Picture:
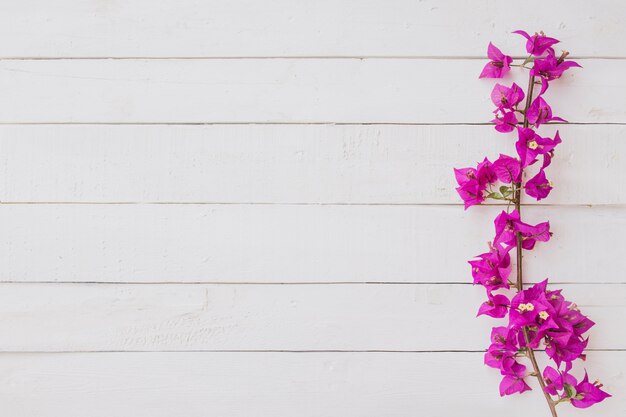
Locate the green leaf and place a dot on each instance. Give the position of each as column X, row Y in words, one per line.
column 569, row 390
column 506, row 191
column 495, row 196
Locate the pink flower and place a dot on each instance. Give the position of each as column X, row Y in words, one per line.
column 530, row 145
column 588, row 394
column 557, row 380
column 499, row 64
column 505, row 123
column 538, row 43
column 564, row 352
column 492, row 269
column 507, row 226
column 496, row 306
column 473, row 182
column 507, row 169
column 540, row 112
column 501, row 353
column 538, row 186
column 550, row 68
column 527, row 305
column 513, row 380
column 506, row 98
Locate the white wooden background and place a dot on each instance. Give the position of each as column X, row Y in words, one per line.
column 246, row 208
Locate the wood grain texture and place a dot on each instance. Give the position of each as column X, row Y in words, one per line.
column 347, row 317
column 287, row 163
column 188, row 28
column 276, row 243
column 276, row 384
column 248, row 265
column 287, row 91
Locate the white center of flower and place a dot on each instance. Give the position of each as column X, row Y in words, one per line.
column 530, row 307
column 532, row 144
column 544, row 315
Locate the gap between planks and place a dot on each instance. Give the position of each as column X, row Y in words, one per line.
column 528, row 284
column 279, row 57
column 38, row 352
column 267, row 203
column 274, row 123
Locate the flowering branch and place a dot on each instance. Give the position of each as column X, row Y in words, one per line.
column 536, row 316
column 520, row 280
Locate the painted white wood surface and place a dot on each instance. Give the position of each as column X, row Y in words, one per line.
column 293, row 243
column 311, row 188
column 287, row 90
column 288, row 163
column 213, row 28
column 276, row 384
column 352, row 317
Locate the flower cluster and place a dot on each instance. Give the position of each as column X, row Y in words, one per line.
column 538, row 318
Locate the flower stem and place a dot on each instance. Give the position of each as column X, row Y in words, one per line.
column 517, row 200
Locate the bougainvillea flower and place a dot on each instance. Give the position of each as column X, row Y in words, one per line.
column 527, row 304
column 538, row 43
column 492, row 269
column 483, row 174
column 532, row 234
column 566, row 352
column 471, row 194
column 588, row 394
column 504, row 338
column 506, row 98
column 499, row 65
column 507, row 225
column 496, row 306
column 496, row 356
column 506, row 122
column 473, row 182
column 547, row 146
column 530, row 145
column 527, row 146
column 540, row 112
column 556, row 380
column 501, row 352
column 550, row 68
column 507, row 169
column 538, row 186
column 553, row 379
column 513, row 380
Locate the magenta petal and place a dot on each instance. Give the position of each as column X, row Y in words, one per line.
column 538, row 186
column 523, row 33
column 499, row 65
column 512, row 384
column 506, row 123
column 496, row 306
column 590, row 392
column 494, row 53
column 507, row 168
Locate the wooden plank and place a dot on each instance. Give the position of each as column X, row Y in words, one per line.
column 287, row 163
column 187, row 28
column 287, row 90
column 275, row 243
column 175, row 317
column 277, row 384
